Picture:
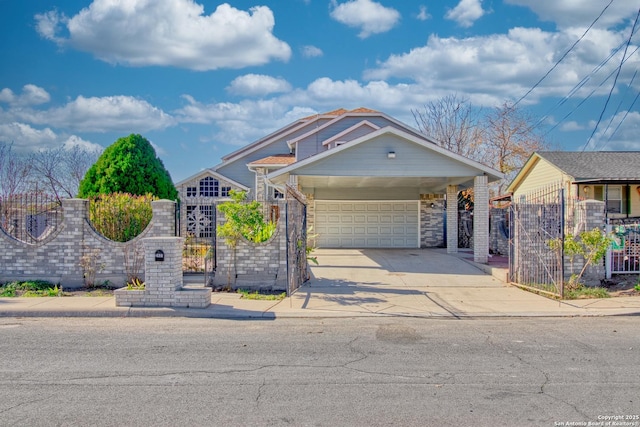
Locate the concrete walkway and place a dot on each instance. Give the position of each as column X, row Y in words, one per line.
column 424, row 283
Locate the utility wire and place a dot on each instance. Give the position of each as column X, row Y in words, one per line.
column 563, row 56
column 613, row 116
column 615, row 81
column 579, row 86
column 625, row 115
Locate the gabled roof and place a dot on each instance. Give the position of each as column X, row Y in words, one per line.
column 491, row 173
column 358, row 112
column 289, row 129
column 277, row 160
column 349, row 130
column 587, row 166
column 210, row 172
column 614, row 165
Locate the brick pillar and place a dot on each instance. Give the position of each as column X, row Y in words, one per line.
column 480, row 219
column 162, row 278
column 452, row 219
column 164, row 218
column 71, row 241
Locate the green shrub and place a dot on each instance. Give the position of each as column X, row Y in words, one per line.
column 120, row 216
column 129, row 165
column 30, row 288
column 586, row 292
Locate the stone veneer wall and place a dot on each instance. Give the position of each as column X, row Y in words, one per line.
column 58, row 257
column 259, row 266
column 432, row 220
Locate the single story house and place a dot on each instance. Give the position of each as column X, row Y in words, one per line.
column 370, row 181
column 609, row 176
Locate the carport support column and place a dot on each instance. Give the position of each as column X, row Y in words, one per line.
column 480, row 219
column 452, row 219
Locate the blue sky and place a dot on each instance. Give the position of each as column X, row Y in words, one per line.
column 200, row 78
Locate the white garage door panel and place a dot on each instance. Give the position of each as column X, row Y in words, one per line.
column 367, row 224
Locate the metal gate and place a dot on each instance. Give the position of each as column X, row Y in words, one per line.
column 197, row 224
column 296, row 223
column 624, row 254
column 536, row 244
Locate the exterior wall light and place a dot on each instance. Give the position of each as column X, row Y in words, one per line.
column 391, row 155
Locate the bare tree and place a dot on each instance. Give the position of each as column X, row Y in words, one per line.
column 509, row 140
column 61, row 169
column 453, row 123
column 14, row 171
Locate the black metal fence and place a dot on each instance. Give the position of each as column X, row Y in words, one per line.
column 197, row 224
column 30, row 217
column 537, row 224
column 296, row 220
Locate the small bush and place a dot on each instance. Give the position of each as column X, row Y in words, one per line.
column 583, row 292
column 120, row 216
column 32, row 288
column 255, row 295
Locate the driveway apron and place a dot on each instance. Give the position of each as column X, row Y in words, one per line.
column 411, row 282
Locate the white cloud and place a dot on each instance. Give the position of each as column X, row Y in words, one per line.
column 31, row 95
column 423, row 15
column 76, row 141
column 489, row 69
column 579, row 13
column 466, row 12
column 26, row 138
column 311, row 51
column 369, row 16
column 258, row 85
column 169, row 33
column 626, row 128
column 93, row 114
column 241, row 123
column 571, row 126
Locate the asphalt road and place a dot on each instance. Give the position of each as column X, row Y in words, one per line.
column 319, row 372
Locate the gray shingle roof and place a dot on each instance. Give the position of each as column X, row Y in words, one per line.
column 596, row 165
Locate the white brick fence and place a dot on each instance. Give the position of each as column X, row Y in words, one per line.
column 58, row 258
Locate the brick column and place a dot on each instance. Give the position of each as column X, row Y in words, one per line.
column 164, row 218
column 162, row 278
column 71, row 241
column 452, row 219
column 480, row 219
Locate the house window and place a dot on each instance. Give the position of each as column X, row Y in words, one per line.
column 277, row 194
column 209, row 187
column 613, row 194
column 224, row 191
column 192, row 191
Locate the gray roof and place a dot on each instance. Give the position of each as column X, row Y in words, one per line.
column 596, row 165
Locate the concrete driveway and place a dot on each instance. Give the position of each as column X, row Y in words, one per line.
column 413, row 282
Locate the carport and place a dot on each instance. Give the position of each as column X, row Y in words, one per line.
column 375, row 191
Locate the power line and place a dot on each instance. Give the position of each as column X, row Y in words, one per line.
column 604, row 132
column 615, row 81
column 579, row 86
column 564, row 56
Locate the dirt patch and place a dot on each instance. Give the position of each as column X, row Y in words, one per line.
column 622, row 285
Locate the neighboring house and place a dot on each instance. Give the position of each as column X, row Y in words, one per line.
column 609, row 176
column 370, row 181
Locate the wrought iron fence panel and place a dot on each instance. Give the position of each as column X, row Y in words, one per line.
column 624, row 255
column 537, row 240
column 30, row 217
column 296, row 226
column 197, row 224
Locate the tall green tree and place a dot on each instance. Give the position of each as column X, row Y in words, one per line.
column 129, row 165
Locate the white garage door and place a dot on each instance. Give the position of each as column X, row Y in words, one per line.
column 372, row 224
